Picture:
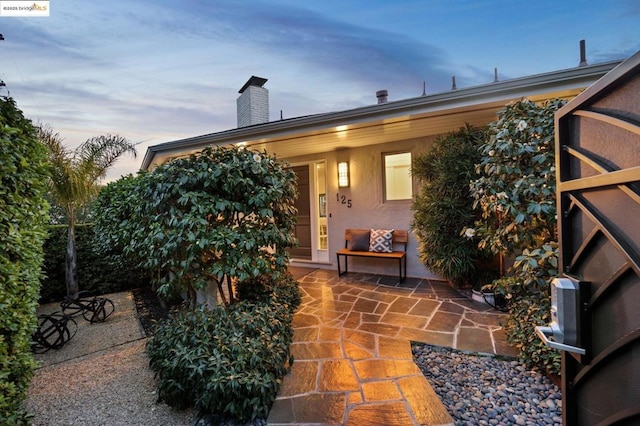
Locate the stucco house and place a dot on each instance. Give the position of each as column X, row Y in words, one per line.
column 375, row 144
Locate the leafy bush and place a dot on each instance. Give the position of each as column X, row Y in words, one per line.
column 261, row 288
column 515, row 192
column 114, row 215
column 23, row 215
column 444, row 207
column 287, row 292
column 516, row 187
column 530, row 305
column 255, row 289
column 227, row 361
column 98, row 273
column 224, row 213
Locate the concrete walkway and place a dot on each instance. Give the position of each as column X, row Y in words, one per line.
column 353, row 362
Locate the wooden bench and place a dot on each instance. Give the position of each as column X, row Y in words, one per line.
column 400, row 239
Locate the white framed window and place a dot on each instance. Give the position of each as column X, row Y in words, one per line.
column 321, row 191
column 397, row 176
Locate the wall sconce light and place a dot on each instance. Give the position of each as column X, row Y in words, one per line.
column 343, row 174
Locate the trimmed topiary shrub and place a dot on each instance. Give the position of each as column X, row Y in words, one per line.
column 23, row 215
column 228, row 361
column 226, row 213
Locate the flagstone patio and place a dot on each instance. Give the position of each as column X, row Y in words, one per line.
column 353, row 362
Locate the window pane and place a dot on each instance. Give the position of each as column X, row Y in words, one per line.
column 321, row 190
column 398, row 176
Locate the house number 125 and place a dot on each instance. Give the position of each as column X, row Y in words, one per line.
column 343, row 200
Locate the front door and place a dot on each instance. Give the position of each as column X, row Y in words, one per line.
column 303, row 225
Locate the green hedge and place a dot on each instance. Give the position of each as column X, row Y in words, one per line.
column 228, row 361
column 97, row 273
column 23, row 215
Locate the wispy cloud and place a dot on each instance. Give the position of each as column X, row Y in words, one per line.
column 305, row 42
column 162, row 70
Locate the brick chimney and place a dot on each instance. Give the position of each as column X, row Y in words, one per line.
column 253, row 103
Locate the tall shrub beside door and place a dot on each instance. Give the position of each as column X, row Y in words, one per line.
column 444, row 207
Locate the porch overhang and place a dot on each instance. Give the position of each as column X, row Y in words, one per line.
column 392, row 121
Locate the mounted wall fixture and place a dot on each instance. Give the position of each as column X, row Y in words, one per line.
column 343, row 174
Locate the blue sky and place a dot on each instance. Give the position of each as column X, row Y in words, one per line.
column 164, row 70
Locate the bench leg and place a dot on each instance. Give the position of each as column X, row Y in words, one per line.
column 405, row 268
column 346, row 265
column 402, row 277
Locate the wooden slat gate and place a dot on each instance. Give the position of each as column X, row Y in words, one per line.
column 598, row 162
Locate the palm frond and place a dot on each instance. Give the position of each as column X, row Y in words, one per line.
column 74, row 174
column 98, row 154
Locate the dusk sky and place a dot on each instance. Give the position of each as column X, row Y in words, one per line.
column 156, row 71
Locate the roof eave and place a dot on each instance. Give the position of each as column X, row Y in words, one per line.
column 523, row 86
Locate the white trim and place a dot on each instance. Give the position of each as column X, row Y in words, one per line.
column 570, row 79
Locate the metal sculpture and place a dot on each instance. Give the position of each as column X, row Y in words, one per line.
column 56, row 329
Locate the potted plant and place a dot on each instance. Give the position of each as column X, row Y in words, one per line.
column 496, row 295
column 488, row 272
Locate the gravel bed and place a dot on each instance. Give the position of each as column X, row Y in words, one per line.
column 114, row 387
column 485, row 390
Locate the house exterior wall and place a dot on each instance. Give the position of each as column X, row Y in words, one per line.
column 361, row 136
column 367, row 208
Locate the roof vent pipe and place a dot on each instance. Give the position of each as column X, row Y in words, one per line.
column 382, row 96
column 453, row 83
column 495, row 75
column 424, row 88
column 583, row 54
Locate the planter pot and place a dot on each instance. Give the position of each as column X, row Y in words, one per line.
column 490, row 299
column 483, row 297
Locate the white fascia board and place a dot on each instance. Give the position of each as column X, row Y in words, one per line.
column 573, row 78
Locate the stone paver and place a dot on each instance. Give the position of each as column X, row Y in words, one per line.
column 475, row 339
column 353, row 362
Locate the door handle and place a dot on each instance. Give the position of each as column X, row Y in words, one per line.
column 544, row 333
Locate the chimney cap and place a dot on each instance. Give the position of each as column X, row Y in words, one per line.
column 253, row 81
column 382, row 96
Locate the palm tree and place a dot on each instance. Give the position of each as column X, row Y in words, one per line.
column 74, row 179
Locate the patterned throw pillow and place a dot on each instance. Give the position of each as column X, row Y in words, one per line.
column 381, row 240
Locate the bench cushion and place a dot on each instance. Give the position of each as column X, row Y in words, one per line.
column 381, row 240
column 359, row 240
